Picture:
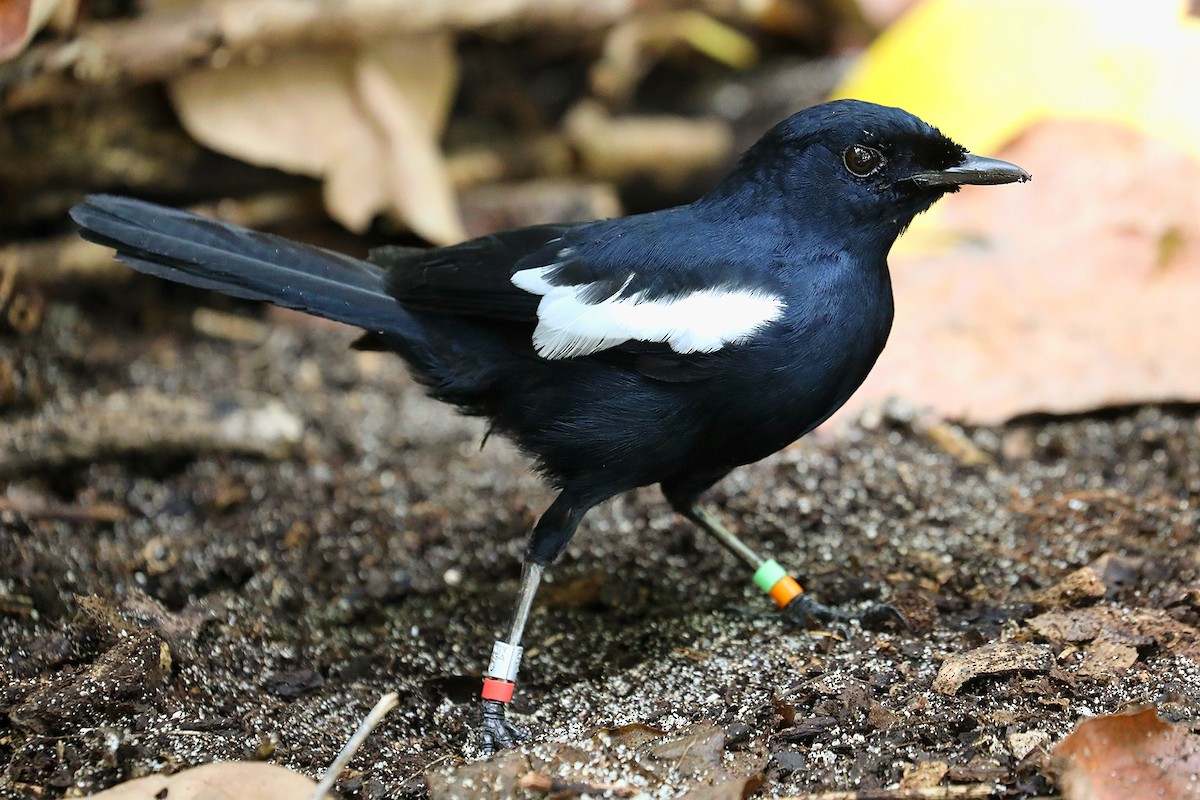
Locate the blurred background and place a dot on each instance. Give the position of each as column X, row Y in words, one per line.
column 364, row 121
column 222, row 537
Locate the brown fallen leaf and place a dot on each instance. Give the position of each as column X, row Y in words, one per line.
column 1114, row 634
column 407, row 91
column 726, row 787
column 924, row 774
column 1137, row 627
column 1022, row 743
column 1069, row 293
column 998, row 658
column 1116, row 570
column 366, row 119
column 954, row 442
column 1076, row 588
column 693, row 759
column 540, row 782
column 1129, row 757
column 237, row 780
column 120, row 680
column 21, row 19
column 1104, row 660
column 492, row 779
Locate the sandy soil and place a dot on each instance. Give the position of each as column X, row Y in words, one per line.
column 164, row 609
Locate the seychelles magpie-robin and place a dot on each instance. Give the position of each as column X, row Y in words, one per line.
column 665, row 348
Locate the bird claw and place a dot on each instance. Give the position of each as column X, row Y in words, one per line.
column 883, row 617
column 496, row 732
column 803, row 612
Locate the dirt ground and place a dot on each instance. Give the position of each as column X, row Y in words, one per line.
column 165, row 606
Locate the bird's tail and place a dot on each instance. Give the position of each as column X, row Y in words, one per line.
column 209, row 254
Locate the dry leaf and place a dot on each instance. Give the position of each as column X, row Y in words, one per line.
column 1022, row 743
column 367, row 120
column 923, row 775
column 693, row 759
column 1103, row 660
column 1128, row 757
column 237, row 780
column 1133, row 626
column 407, row 102
column 1115, row 634
column 1078, row 588
column 1073, row 292
column 21, row 19
column 992, row 659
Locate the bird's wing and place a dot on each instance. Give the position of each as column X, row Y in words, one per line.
column 472, row 279
column 652, row 285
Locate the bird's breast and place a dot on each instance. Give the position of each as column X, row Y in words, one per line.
column 805, row 366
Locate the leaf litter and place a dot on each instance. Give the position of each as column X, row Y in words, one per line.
column 381, row 554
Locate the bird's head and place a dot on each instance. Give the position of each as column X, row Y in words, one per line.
column 851, row 163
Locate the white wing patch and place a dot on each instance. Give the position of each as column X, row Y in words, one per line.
column 700, row 322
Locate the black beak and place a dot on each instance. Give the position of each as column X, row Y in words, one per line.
column 973, row 170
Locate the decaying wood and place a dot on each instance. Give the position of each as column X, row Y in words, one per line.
column 144, row 422
column 157, row 47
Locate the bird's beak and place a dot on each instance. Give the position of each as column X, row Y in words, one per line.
column 974, row 170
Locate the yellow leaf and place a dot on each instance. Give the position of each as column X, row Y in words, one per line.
column 985, row 70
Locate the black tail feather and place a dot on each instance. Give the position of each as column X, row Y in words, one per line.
column 208, row 254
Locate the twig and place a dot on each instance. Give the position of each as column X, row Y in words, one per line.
column 68, row 259
column 61, row 259
column 17, row 605
column 144, row 422
column 232, row 327
column 426, row 768
column 557, row 787
column 385, row 704
column 107, row 55
column 968, row 791
column 100, row 512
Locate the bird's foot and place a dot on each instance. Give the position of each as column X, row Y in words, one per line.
column 804, row 612
column 496, row 732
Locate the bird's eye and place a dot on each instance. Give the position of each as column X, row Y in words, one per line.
column 862, row 160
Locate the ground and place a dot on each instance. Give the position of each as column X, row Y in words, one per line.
column 165, row 609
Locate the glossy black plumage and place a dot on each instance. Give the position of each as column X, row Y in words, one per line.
column 792, row 238
column 663, row 348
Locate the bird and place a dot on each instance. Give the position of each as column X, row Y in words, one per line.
column 664, row 348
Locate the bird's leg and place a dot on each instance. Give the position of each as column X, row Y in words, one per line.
column 798, row 607
column 501, row 676
column 768, row 574
column 549, row 538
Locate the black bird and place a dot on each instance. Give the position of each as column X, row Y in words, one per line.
column 663, row 348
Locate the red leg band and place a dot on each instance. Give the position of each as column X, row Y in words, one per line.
column 498, row 690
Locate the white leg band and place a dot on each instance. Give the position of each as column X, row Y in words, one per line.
column 505, row 661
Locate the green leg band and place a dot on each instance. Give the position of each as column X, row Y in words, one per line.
column 769, row 574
